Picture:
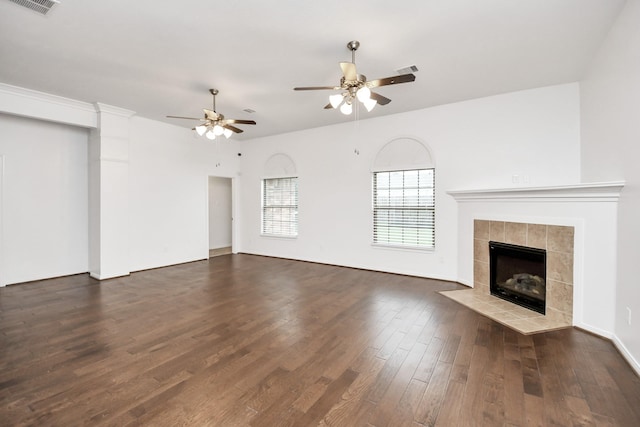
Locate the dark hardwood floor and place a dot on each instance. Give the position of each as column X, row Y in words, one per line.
column 248, row 340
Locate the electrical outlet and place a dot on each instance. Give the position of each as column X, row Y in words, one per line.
column 628, row 316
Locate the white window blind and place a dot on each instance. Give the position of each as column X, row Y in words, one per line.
column 404, row 208
column 280, row 206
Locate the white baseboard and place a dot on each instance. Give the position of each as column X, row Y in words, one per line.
column 596, row 331
column 626, row 354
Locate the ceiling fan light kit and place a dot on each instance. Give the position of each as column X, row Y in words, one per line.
column 354, row 86
column 214, row 124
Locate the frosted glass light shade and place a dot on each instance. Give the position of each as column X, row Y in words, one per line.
column 346, row 108
column 227, row 133
column 218, row 130
column 210, row 134
column 363, row 94
column 336, row 100
column 201, row 129
column 369, row 104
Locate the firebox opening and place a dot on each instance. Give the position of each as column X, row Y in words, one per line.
column 518, row 274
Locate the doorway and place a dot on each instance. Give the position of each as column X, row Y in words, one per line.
column 220, row 216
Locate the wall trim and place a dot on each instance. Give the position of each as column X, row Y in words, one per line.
column 626, row 354
column 110, row 109
column 44, row 106
column 587, row 192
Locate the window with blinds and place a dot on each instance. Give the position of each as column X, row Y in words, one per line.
column 404, row 208
column 280, row 207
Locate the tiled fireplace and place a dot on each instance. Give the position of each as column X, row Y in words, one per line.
column 575, row 224
column 558, row 241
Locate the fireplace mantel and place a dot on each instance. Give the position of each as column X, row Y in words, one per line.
column 596, row 192
column 590, row 209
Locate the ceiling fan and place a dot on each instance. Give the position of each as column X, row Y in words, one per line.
column 355, row 86
column 214, row 124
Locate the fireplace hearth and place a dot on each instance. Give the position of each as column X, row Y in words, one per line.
column 518, row 274
column 558, row 243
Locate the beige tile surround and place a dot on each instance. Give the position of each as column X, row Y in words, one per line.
column 557, row 241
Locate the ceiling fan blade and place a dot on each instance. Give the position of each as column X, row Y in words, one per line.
column 186, row 118
column 233, row 128
column 210, row 114
column 317, row 88
column 382, row 100
column 240, row 122
column 402, row 78
column 328, row 106
column 349, row 71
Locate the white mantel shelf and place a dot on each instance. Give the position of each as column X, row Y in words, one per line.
column 588, row 192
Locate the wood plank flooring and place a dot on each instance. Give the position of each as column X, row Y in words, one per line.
column 246, row 340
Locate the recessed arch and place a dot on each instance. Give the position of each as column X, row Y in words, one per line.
column 403, row 154
column 279, row 165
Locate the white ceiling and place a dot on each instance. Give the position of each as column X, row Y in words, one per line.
column 159, row 58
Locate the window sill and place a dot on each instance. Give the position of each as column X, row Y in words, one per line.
column 403, row 247
column 278, row 236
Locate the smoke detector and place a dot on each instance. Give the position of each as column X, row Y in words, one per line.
column 41, row 6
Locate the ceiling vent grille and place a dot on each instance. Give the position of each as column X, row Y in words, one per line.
column 407, row 70
column 41, row 6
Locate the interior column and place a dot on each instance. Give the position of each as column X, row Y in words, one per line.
column 109, row 193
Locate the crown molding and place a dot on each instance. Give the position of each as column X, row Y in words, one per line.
column 104, row 108
column 46, row 97
column 39, row 105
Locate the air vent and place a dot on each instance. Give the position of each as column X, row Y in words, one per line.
column 407, row 70
column 41, row 6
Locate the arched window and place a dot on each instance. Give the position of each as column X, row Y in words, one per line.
column 404, row 195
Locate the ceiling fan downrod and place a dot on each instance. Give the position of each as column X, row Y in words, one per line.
column 214, row 92
column 353, row 45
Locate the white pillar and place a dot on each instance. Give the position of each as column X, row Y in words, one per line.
column 109, row 193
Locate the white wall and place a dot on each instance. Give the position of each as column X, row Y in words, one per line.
column 169, row 168
column 44, row 200
column 610, row 102
column 475, row 144
column 219, row 212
